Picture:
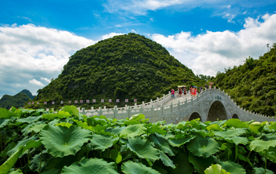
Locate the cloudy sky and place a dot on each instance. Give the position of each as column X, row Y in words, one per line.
column 37, row 37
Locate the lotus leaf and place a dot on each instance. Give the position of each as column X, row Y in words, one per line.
column 142, row 148
column 116, row 130
column 215, row 169
column 161, row 143
column 18, row 171
column 180, row 142
column 260, row 170
column 235, row 123
column 260, row 145
column 133, row 130
column 137, row 117
column 4, row 113
column 4, row 122
column 92, row 166
column 166, row 160
column 182, row 164
column 39, row 161
column 102, row 142
column 73, row 110
column 214, row 127
column 256, row 127
column 62, row 141
column 232, row 167
column 237, row 140
column 230, row 132
column 116, row 156
column 272, row 126
column 156, row 129
column 200, row 163
column 64, row 124
column 203, row 147
column 130, row 167
column 21, row 144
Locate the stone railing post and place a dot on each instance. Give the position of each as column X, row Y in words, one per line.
column 141, row 108
column 92, row 108
column 128, row 111
column 115, row 111
column 100, row 111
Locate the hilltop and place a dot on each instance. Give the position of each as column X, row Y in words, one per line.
column 252, row 85
column 128, row 66
column 17, row 100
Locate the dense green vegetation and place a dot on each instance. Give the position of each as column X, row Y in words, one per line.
column 252, row 85
column 123, row 67
column 17, row 100
column 36, row 141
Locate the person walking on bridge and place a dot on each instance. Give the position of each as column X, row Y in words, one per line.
column 180, row 92
column 172, row 92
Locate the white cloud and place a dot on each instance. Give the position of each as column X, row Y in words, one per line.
column 45, row 79
column 111, row 35
column 36, row 82
column 29, row 52
column 213, row 51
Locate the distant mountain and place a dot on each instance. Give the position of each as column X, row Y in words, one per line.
column 253, row 84
column 128, row 66
column 17, row 100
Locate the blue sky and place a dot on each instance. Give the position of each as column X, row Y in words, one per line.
column 37, row 37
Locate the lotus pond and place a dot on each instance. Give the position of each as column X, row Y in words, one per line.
column 39, row 141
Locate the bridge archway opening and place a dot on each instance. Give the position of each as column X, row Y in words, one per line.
column 235, row 116
column 217, row 111
column 195, row 115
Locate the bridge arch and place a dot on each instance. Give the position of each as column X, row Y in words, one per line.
column 195, row 115
column 217, row 111
column 235, row 116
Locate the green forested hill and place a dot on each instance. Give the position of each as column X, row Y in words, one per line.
column 17, row 100
column 253, row 84
column 127, row 66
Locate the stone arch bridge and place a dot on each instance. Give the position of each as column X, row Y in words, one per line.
column 209, row 105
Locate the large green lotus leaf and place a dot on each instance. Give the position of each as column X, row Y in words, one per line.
column 116, row 130
column 10, row 146
column 161, row 143
column 4, row 113
column 133, row 130
column 237, row 140
column 231, row 132
column 83, row 124
column 91, row 166
column 142, row 148
column 256, row 127
column 36, row 127
column 236, row 123
column 232, row 167
column 4, row 122
column 267, row 137
column 156, row 129
column 200, row 163
column 130, row 167
column 260, row 170
column 28, row 119
column 182, row 164
column 166, row 160
column 62, row 141
column 214, row 127
column 203, row 147
column 137, row 117
column 260, row 145
column 215, row 169
column 73, row 110
column 196, row 123
column 21, row 144
column 102, row 142
column 203, row 133
column 180, row 142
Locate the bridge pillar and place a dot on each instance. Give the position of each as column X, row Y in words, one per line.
column 128, row 112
